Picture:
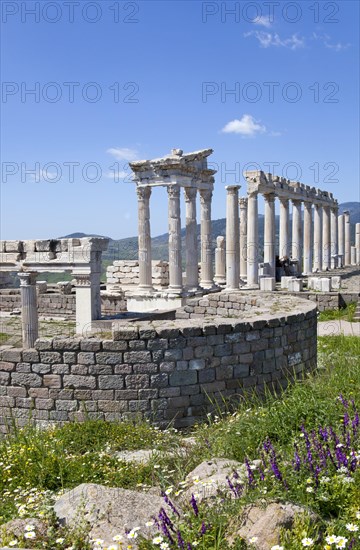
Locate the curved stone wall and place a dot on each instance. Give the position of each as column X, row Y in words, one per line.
column 165, row 370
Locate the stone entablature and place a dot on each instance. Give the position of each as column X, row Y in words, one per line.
column 163, row 370
column 81, row 257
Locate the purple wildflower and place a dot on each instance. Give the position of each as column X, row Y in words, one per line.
column 169, row 503
column 181, row 543
column 194, row 505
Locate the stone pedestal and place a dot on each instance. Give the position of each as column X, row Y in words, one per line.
column 326, row 247
column 269, row 232
column 243, row 237
column 267, row 284
column 175, row 262
column 317, row 263
column 220, row 274
column 86, row 306
column 353, row 255
column 357, row 243
column 232, row 238
column 145, row 276
column 192, row 275
column 347, row 238
column 206, row 279
column 284, row 240
column 334, row 234
column 296, row 246
column 252, row 241
column 29, row 314
column 307, row 268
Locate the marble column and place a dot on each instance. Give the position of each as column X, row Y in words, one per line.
column 357, row 243
column 253, row 241
column 269, row 232
column 243, row 202
column 296, row 245
column 206, row 278
column 347, row 238
column 232, row 238
column 220, row 273
column 175, row 262
column 284, row 240
column 307, row 269
column 29, row 314
column 334, row 237
column 145, row 271
column 317, row 264
column 192, row 274
column 326, row 238
column 341, row 237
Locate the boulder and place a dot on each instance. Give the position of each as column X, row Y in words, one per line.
column 210, row 476
column 265, row 523
column 109, row 511
column 16, row 528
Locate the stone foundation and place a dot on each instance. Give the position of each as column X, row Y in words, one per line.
column 127, row 272
column 163, row 370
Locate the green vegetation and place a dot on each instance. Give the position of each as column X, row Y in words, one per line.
column 346, row 314
column 281, row 438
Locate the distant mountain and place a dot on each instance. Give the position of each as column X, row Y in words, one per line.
column 81, row 236
column 353, row 208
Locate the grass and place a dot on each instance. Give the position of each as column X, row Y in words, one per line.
column 59, row 458
column 4, row 337
column 346, row 314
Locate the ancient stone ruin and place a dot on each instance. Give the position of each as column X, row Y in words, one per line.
column 177, row 342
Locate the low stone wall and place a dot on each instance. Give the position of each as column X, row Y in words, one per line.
column 330, row 300
column 126, row 272
column 58, row 304
column 164, row 370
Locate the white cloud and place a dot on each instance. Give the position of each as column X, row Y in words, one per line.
column 246, row 126
column 268, row 39
column 326, row 40
column 263, row 21
column 123, row 153
column 117, row 175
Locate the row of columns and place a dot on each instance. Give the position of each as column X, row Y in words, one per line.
column 317, row 240
column 175, row 255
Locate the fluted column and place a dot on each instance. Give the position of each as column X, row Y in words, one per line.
column 307, row 238
column 252, row 241
column 334, row 237
column 243, row 202
column 86, row 310
column 29, row 314
column 145, row 271
column 296, row 246
column 175, row 263
column 326, row 238
column 192, row 275
column 269, row 232
column 347, row 238
column 357, row 243
column 341, row 237
column 317, row 238
column 206, row 280
column 232, row 237
column 284, row 239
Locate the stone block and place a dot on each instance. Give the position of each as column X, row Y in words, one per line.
column 110, row 358
column 183, row 378
column 325, row 284
column 79, row 382
column 285, row 282
column 295, row 285
column 26, row 379
column 335, row 283
column 267, row 284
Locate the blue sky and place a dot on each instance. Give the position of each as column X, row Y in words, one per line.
column 117, row 81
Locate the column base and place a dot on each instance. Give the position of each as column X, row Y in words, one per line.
column 174, row 290
column 207, row 285
column 251, row 287
column 145, row 288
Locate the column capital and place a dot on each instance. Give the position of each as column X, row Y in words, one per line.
column 253, row 193
column 296, row 202
column 82, row 279
column 205, row 195
column 190, row 193
column 308, row 205
column 284, row 201
column 243, row 201
column 232, row 189
column 269, row 197
column 27, row 278
column 143, row 193
column 173, row 191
